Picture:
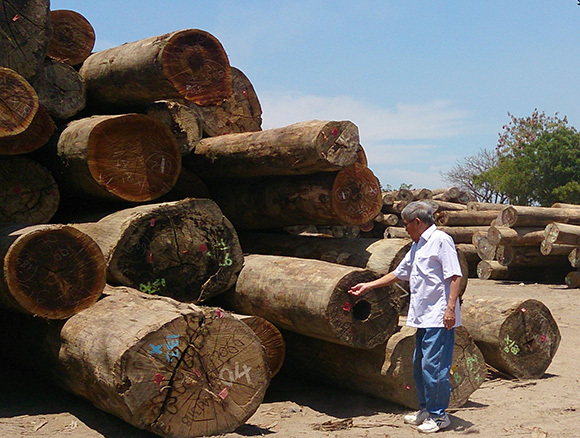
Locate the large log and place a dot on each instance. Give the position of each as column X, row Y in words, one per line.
column 189, row 64
column 241, row 112
column 522, row 216
column 521, row 236
column 60, row 89
column 528, row 256
column 350, row 196
column 28, row 192
column 311, row 297
column 556, row 232
column 302, row 148
column 51, row 271
column 170, row 368
column 128, row 157
column 18, row 103
column 36, row 135
column 465, row 217
column 72, row 38
column 385, row 371
column 518, row 338
column 25, row 35
column 186, row 249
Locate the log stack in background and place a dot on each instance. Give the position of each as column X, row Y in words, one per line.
column 153, row 153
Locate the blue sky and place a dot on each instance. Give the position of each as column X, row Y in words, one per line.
column 428, row 83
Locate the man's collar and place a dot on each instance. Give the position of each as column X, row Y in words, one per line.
column 427, row 233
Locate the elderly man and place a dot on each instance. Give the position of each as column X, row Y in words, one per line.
column 432, row 268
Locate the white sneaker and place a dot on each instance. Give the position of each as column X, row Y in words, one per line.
column 416, row 418
column 432, row 424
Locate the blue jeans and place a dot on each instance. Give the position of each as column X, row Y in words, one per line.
column 431, row 366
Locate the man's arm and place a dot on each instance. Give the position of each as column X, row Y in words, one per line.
column 385, row 280
column 449, row 316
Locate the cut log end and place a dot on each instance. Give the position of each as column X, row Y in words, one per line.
column 356, row 195
column 54, row 272
column 134, row 157
column 197, row 66
column 73, row 37
column 36, row 135
column 18, row 103
column 337, row 138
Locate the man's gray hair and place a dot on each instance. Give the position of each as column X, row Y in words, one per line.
column 418, row 209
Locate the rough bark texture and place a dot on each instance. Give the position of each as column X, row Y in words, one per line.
column 311, row 297
column 189, row 64
column 18, row 103
column 36, row 135
column 24, row 35
column 518, row 216
column 348, row 197
column 51, row 271
column 385, row 371
column 241, row 112
column 501, row 235
column 173, row 369
column 186, row 249
column 515, row 337
column 28, row 192
column 302, row 148
column 73, row 37
column 128, row 157
column 60, row 89
column 465, row 217
column 556, row 232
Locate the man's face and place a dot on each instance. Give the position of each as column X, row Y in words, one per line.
column 414, row 228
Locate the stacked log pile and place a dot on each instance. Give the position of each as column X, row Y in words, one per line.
column 142, row 197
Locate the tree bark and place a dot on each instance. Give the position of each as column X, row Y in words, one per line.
column 311, row 297
column 549, row 248
column 181, row 119
column 189, row 64
column 465, row 217
column 28, row 192
column 302, row 148
column 73, row 37
column 448, row 206
column 270, row 338
column 519, row 338
column 170, row 368
column 501, row 235
column 350, row 196
column 527, row 256
column 480, row 206
column 385, row 371
column 521, row 216
column 128, row 157
column 18, row 103
column 60, row 89
column 50, row 271
column 36, row 135
column 186, row 250
column 25, row 35
column 241, row 112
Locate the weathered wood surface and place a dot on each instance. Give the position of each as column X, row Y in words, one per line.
column 311, row 297
column 24, row 35
column 448, row 206
column 385, row 371
column 465, row 217
column 171, row 368
column 350, row 196
column 521, row 236
column 574, row 258
column 270, row 338
column 522, row 216
column 528, row 256
column 50, row 271
column 572, row 279
column 241, row 112
column 186, row 249
column 189, row 64
column 518, row 338
column 479, row 206
column 485, row 249
column 127, row 157
column 302, row 148
column 18, row 103
column 556, row 232
column 36, row 135
column 72, row 38
column 60, row 89
column 28, row 192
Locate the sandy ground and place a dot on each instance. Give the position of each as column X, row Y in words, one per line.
column 294, row 407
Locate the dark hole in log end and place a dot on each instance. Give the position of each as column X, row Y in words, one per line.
column 361, row 310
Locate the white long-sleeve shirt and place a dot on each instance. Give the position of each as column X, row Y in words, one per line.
column 429, row 266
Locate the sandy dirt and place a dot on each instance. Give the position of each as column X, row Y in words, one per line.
column 295, row 407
